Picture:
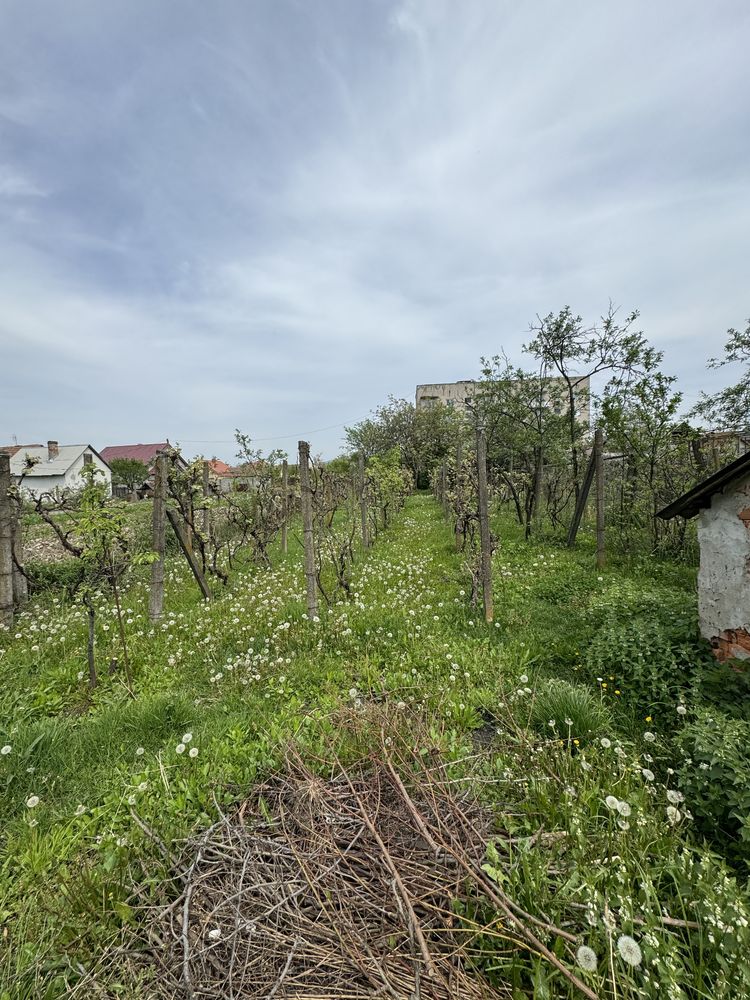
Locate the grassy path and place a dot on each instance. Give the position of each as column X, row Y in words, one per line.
column 223, row 687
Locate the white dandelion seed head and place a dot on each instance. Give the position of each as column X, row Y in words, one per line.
column 193, row 752
column 80, row 809
column 673, row 815
column 180, row 748
column 612, row 802
column 586, row 958
column 187, row 737
column 6, row 750
column 32, row 802
column 675, row 797
column 681, row 710
column 647, row 773
column 649, row 737
column 624, row 809
column 629, row 949
column 605, row 742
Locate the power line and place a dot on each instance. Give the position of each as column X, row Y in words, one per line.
column 273, row 437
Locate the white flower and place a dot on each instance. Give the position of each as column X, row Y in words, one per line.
column 32, row 802
column 673, row 815
column 353, row 693
column 524, row 679
column 605, row 742
column 140, row 752
column 6, row 750
column 215, row 933
column 649, row 737
column 187, row 737
column 629, row 950
column 612, row 802
column 193, row 752
column 681, row 710
column 180, row 748
column 675, row 797
column 80, row 809
column 647, row 773
column 143, row 786
column 586, row 958
column 623, row 808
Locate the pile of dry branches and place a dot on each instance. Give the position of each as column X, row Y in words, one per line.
column 343, row 887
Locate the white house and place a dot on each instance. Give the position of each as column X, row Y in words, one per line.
column 47, row 468
column 722, row 504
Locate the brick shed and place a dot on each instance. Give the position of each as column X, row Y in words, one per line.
column 722, row 505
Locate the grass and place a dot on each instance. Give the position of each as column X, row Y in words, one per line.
column 246, row 674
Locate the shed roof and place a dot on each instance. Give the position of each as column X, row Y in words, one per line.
column 67, row 454
column 699, row 497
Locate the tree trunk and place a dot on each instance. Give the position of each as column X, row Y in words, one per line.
column 484, row 525
column 158, row 538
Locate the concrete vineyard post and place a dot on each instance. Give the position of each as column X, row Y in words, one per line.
column 158, row 537
column 363, row 502
column 284, row 505
column 6, row 544
column 484, row 525
column 307, row 529
column 599, row 462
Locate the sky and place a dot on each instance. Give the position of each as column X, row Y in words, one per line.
column 272, row 214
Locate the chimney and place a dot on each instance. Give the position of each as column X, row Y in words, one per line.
column 52, row 451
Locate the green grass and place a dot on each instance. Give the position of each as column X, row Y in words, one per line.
column 246, row 674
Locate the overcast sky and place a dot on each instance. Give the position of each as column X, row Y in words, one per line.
column 270, row 214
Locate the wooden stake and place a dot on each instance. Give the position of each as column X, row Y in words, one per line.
column 363, row 502
column 599, row 462
column 206, row 496
column 484, row 524
column 285, row 504
column 182, row 538
column 6, row 544
column 459, row 497
column 158, row 538
column 307, row 529
column 582, row 499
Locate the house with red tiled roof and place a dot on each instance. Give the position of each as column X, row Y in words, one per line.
column 145, row 453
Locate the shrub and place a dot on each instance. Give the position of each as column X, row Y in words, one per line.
column 559, row 700
column 714, row 776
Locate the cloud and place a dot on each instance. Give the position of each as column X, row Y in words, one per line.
column 273, row 215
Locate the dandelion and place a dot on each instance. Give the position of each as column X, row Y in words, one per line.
column 140, row 752
column 524, row 679
column 586, row 958
column 6, row 750
column 80, row 809
column 605, row 742
column 647, row 773
column 32, row 802
column 612, row 802
column 624, row 809
column 187, row 737
column 143, row 786
column 193, row 752
column 353, row 693
column 673, row 815
column 180, row 748
column 629, row 949
column 681, row 710
column 675, row 797
column 649, row 737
